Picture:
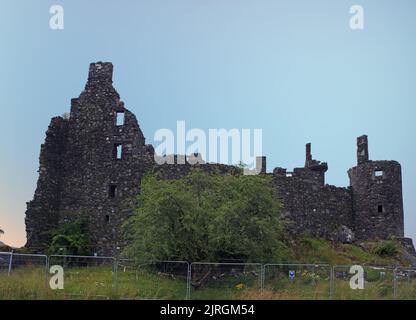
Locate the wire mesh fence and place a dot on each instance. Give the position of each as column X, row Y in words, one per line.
column 211, row 281
column 22, row 276
column 86, row 277
column 378, row 284
column 26, row 276
column 405, row 284
column 5, row 258
column 154, row 280
column 296, row 281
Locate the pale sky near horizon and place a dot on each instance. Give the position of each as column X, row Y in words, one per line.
column 292, row 68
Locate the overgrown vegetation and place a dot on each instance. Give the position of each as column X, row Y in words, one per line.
column 311, row 250
column 386, row 249
column 70, row 238
column 147, row 282
column 206, row 217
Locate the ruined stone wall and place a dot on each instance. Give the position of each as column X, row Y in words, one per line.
column 96, row 183
column 377, row 196
column 93, row 182
column 176, row 171
column 377, row 200
column 81, row 175
column 313, row 209
column 42, row 212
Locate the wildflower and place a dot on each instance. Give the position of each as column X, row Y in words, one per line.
column 239, row 286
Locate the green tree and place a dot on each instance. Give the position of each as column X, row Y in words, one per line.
column 206, row 217
column 70, row 238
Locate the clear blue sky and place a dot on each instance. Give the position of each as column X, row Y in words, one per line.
column 292, row 68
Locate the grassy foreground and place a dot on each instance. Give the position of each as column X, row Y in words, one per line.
column 169, row 281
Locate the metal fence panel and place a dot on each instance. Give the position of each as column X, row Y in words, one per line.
column 228, row 281
column 25, row 276
column 405, row 284
column 22, row 276
column 379, row 283
column 5, row 258
column 86, row 277
column 154, row 280
column 296, row 281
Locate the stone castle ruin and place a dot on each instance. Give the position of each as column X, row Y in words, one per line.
column 92, row 162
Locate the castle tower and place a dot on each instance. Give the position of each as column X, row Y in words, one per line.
column 91, row 166
column 377, row 196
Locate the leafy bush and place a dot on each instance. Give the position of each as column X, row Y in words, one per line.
column 70, row 238
column 386, row 249
column 206, row 217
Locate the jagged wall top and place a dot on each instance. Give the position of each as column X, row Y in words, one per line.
column 80, row 173
column 100, row 73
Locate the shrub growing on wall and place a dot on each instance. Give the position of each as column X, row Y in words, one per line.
column 206, row 217
column 386, row 249
column 70, row 238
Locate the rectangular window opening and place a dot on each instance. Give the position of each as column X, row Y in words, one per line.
column 120, row 118
column 107, row 218
column 378, row 173
column 112, row 191
column 380, row 208
column 118, row 151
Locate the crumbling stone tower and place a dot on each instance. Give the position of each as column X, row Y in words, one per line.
column 90, row 166
column 377, row 196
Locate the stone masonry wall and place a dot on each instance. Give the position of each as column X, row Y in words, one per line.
column 42, row 212
column 377, row 200
column 81, row 175
column 314, row 210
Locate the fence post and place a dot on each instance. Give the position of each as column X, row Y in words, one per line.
column 331, row 282
column 115, row 270
column 395, row 283
column 188, row 282
column 10, row 263
column 262, row 276
column 47, row 268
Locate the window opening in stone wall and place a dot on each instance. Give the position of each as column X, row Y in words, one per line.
column 378, row 173
column 379, row 208
column 120, row 118
column 112, row 191
column 118, row 151
column 289, row 174
column 107, row 218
